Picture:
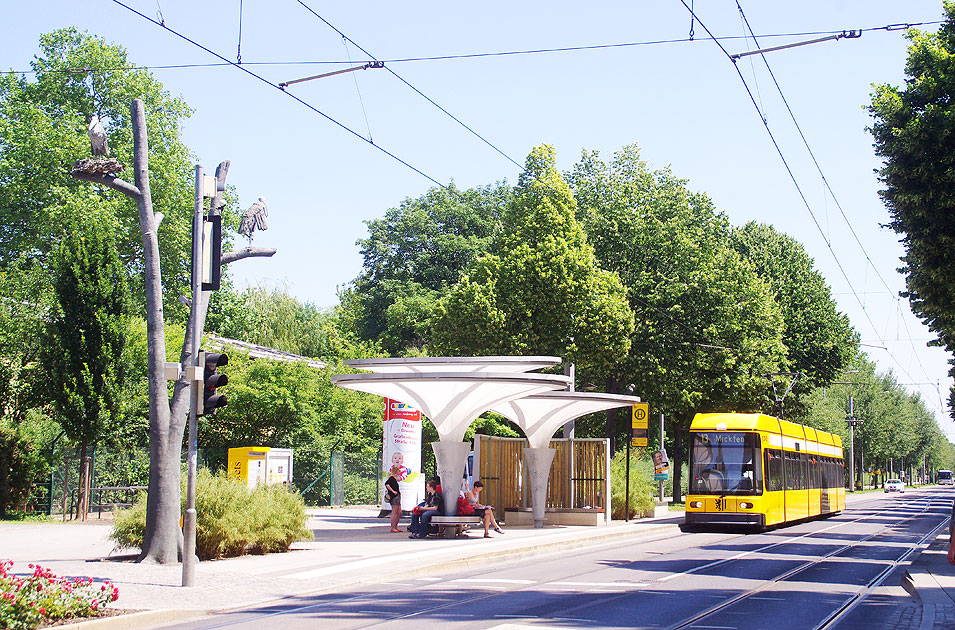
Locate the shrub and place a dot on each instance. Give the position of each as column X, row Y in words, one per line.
column 26, row 602
column 232, row 520
column 642, row 486
column 129, row 526
column 19, row 467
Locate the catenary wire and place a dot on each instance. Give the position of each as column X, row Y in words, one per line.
column 303, row 62
column 795, row 181
column 832, row 193
column 416, row 90
column 822, row 175
column 243, row 68
column 226, row 62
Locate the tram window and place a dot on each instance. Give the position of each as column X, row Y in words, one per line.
column 725, row 463
column 774, row 470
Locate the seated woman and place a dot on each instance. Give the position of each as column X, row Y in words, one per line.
column 421, row 515
column 485, row 511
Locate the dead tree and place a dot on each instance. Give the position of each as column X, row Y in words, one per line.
column 167, row 417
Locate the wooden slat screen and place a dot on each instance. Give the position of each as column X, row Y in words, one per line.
column 577, row 477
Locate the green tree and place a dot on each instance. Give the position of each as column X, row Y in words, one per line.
column 912, row 132
column 43, row 126
column 412, row 256
column 707, row 329
column 820, row 341
column 543, row 293
column 84, row 338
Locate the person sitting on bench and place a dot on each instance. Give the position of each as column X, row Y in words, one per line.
column 484, row 511
column 421, row 515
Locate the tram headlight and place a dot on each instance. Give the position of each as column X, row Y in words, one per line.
column 696, row 504
column 745, row 506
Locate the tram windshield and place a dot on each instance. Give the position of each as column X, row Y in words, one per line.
column 725, row 462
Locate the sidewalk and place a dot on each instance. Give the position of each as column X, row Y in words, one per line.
column 351, row 547
column 930, row 579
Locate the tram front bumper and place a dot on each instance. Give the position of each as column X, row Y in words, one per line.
column 710, row 518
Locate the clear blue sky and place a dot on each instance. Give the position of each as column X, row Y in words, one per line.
column 683, row 103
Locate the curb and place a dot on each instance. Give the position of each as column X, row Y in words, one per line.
column 465, row 562
column 154, row 618
column 141, row 619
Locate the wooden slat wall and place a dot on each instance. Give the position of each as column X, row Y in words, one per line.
column 577, row 477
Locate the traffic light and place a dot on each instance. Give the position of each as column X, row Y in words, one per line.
column 210, row 399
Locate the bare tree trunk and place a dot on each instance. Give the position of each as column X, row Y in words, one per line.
column 82, row 490
column 167, row 419
column 611, row 416
column 679, row 441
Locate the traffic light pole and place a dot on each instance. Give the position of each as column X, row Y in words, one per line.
column 196, row 380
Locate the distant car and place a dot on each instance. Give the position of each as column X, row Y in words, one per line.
column 894, row 485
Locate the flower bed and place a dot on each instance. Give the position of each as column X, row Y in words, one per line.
column 29, row 602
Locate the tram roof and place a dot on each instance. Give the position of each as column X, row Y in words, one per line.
column 760, row 422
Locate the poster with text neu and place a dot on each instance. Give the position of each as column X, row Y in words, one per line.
column 401, row 452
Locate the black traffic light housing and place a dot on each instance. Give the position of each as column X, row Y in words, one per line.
column 212, row 361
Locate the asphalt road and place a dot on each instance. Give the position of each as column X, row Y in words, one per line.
column 840, row 572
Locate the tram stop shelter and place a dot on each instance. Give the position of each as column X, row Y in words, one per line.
column 452, row 392
column 539, row 416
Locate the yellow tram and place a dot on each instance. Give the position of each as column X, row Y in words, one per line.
column 754, row 469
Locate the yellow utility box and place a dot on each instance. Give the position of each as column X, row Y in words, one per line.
column 260, row 464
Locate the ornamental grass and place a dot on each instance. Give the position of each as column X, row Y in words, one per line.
column 43, row 598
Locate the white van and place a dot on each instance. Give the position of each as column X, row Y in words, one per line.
column 944, row 478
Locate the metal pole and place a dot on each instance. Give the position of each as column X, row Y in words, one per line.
column 626, row 514
column 852, row 448
column 661, row 449
column 189, row 519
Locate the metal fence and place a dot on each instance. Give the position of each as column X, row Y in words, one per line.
column 323, row 477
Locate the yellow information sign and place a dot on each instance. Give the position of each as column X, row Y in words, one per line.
column 639, row 431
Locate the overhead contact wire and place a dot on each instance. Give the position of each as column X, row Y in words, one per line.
column 825, row 181
column 289, row 94
column 792, row 176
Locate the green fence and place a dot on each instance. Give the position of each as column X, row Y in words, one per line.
column 323, row 477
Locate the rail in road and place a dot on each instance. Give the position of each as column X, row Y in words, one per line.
column 811, row 575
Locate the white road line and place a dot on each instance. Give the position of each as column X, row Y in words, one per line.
column 515, row 616
column 585, row 584
column 491, row 581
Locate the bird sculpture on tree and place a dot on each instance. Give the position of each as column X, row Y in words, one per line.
column 254, row 219
column 98, row 138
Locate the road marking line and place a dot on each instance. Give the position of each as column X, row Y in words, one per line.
column 492, row 581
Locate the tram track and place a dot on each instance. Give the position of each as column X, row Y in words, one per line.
column 356, row 602
column 855, row 599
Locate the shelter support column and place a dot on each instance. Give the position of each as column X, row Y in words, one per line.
column 538, row 462
column 451, row 457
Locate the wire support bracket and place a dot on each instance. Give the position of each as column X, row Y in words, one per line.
column 854, row 34
column 369, row 65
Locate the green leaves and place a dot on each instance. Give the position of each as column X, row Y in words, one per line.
column 542, row 293
column 706, row 326
column 85, row 334
column 914, row 132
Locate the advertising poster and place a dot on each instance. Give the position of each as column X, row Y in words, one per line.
column 401, row 452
